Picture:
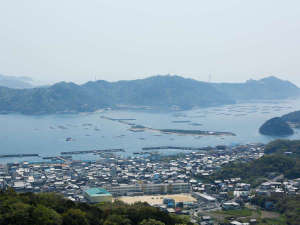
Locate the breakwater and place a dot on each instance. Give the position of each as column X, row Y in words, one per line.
column 196, row 132
column 57, row 157
column 177, row 148
column 19, row 155
column 141, row 128
column 93, row 151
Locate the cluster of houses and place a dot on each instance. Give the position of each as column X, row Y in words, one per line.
column 136, row 175
column 279, row 188
column 110, row 176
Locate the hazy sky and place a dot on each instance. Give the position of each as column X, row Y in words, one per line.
column 76, row 40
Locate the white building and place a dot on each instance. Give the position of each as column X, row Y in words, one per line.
column 173, row 188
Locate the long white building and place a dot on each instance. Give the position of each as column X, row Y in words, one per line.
column 139, row 189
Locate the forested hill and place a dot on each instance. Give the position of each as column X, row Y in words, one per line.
column 281, row 126
column 266, row 88
column 158, row 92
column 292, row 118
column 282, row 146
column 52, row 209
column 275, row 161
column 276, row 127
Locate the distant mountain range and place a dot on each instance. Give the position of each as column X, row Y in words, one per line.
column 15, row 82
column 266, row 88
column 157, row 92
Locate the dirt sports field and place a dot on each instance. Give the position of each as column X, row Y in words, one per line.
column 157, row 199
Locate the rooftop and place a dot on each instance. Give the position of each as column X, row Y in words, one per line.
column 97, row 191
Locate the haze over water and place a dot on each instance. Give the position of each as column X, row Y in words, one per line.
column 46, row 135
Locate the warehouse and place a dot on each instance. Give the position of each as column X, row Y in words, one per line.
column 204, row 197
column 96, row 195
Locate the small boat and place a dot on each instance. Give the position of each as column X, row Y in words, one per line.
column 69, row 139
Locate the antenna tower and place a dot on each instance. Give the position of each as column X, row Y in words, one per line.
column 209, row 78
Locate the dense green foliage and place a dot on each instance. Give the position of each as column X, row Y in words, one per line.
column 274, row 162
column 256, row 171
column 280, row 126
column 161, row 92
column 282, row 146
column 276, row 127
column 288, row 206
column 52, row 209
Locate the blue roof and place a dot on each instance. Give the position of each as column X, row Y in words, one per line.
column 97, row 191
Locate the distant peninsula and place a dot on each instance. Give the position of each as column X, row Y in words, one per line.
column 276, row 127
column 281, row 126
column 155, row 93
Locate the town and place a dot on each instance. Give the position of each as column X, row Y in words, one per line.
column 174, row 183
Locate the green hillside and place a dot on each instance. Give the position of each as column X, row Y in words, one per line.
column 275, row 161
column 158, row 92
column 276, row 127
column 281, row 126
column 52, row 209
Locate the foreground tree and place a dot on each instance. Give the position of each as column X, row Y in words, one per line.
column 74, row 217
column 117, row 220
column 46, row 216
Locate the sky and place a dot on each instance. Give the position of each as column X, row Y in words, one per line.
column 76, row 40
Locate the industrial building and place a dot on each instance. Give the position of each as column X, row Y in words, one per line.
column 96, row 195
column 204, row 198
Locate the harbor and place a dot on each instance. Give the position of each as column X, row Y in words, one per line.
column 48, row 136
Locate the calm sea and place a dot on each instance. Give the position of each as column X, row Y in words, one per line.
column 46, row 135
